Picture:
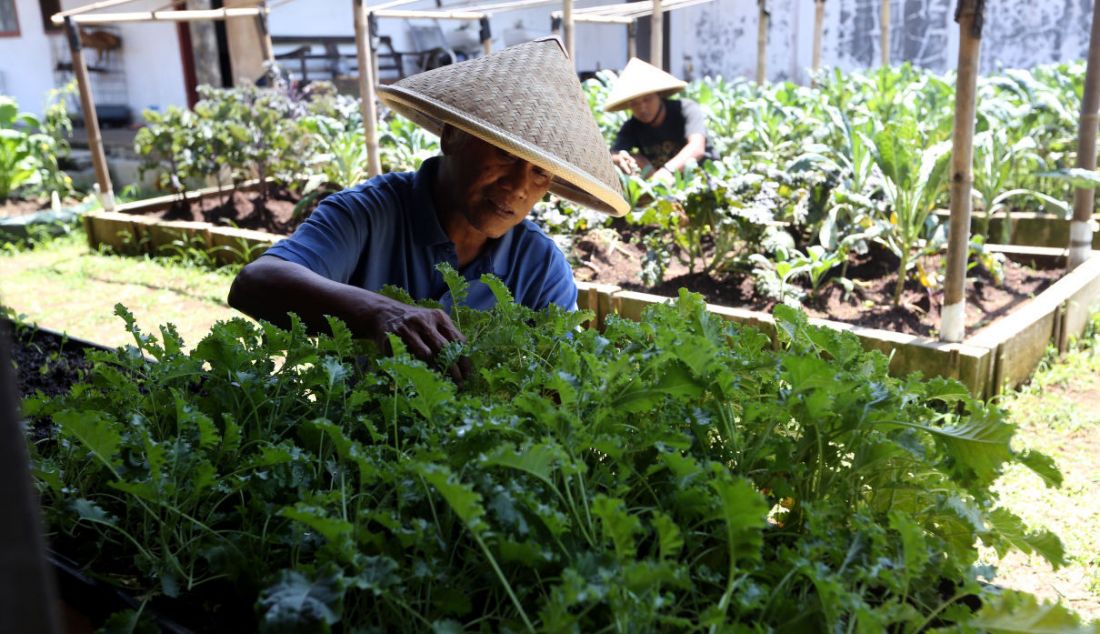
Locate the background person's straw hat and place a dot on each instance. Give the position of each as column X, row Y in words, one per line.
column 528, row 101
column 640, row 78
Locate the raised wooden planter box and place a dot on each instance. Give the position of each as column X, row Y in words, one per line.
column 999, row 356
column 1029, row 229
column 127, row 231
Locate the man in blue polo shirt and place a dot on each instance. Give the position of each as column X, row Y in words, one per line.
column 513, row 126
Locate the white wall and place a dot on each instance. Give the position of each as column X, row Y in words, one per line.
column 721, row 36
column 597, row 46
column 151, row 70
column 26, row 63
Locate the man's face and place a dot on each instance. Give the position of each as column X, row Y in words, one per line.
column 645, row 108
column 495, row 190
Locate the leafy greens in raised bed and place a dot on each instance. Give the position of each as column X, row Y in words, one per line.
column 677, row 474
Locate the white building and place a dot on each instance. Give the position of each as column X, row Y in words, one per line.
column 148, row 69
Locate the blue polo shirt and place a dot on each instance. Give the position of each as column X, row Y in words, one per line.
column 386, row 231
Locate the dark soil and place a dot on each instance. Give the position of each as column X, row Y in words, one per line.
column 43, row 361
column 247, row 210
column 610, row 256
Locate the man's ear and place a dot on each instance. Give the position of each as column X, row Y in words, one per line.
column 450, row 139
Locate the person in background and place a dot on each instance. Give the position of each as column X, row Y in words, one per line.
column 663, row 135
column 513, row 126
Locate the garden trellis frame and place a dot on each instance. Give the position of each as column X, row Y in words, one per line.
column 628, row 14
column 71, row 20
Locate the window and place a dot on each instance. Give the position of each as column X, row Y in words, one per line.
column 9, row 22
column 49, row 7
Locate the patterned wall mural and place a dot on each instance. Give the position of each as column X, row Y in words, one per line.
column 720, row 37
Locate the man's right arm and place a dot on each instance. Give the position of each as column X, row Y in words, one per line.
column 271, row 287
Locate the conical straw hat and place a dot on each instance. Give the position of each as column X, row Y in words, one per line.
column 640, row 78
column 527, row 101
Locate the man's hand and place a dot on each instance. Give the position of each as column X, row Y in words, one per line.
column 270, row 287
column 663, row 175
column 425, row 331
column 625, row 162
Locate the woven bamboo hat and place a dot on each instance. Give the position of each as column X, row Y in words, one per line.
column 640, row 78
column 526, row 100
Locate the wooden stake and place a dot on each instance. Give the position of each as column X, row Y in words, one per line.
column 567, row 28
column 656, row 36
column 91, row 123
column 819, row 30
column 762, row 42
column 265, row 35
column 953, row 314
column 884, row 32
column 1080, row 240
column 485, row 33
column 366, row 88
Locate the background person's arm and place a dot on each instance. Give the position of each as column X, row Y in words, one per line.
column 694, row 150
column 271, row 287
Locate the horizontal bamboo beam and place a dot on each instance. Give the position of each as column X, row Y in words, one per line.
column 430, row 15
column 498, row 7
column 59, row 18
column 196, row 15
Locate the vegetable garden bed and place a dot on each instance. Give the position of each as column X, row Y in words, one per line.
column 1027, row 228
column 662, row 475
column 1002, row 354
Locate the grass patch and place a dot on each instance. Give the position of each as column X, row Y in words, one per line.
column 1058, row 413
column 63, row 285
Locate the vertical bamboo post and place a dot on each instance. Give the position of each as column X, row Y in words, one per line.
column 567, row 27
column 762, row 42
column 632, row 40
column 265, row 35
column 366, row 87
column 884, row 32
column 819, row 31
column 486, row 35
column 656, row 36
column 91, row 123
column 969, row 15
column 1080, row 229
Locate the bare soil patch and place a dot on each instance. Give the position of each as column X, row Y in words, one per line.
column 247, row 210
column 610, row 257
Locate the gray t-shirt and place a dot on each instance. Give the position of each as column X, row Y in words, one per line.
column 660, row 143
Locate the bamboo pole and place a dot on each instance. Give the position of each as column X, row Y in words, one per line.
column 884, row 32
column 191, row 15
column 819, row 31
column 567, row 28
column 266, row 46
column 366, row 88
column 656, row 36
column 631, row 40
column 59, row 18
column 91, row 123
column 485, row 33
column 419, row 14
column 762, row 42
column 1080, row 229
column 953, row 315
